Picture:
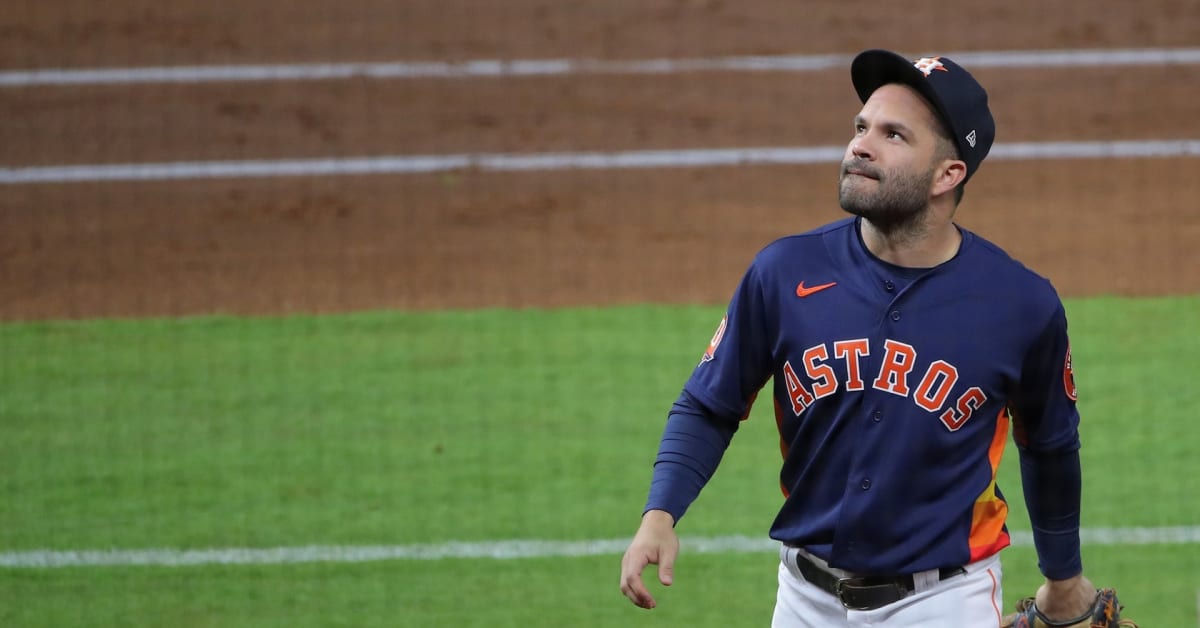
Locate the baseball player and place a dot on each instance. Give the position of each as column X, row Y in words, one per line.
column 903, row 349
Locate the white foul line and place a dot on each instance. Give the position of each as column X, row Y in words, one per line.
column 508, row 162
column 498, row 550
column 483, row 68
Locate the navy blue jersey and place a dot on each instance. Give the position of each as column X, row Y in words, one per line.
column 894, row 391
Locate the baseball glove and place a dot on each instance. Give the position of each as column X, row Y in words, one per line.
column 1105, row 613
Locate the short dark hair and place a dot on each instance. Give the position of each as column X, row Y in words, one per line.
column 947, row 150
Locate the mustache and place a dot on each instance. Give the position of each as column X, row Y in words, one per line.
column 859, row 166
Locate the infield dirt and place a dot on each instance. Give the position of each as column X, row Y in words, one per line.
column 554, row 238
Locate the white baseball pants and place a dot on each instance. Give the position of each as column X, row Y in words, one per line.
column 970, row 600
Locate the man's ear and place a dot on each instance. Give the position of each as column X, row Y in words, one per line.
column 948, row 176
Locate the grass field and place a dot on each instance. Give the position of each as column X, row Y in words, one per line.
column 397, row 429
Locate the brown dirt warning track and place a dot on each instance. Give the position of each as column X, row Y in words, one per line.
column 471, row 238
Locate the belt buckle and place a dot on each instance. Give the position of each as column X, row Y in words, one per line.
column 840, row 590
column 870, row 596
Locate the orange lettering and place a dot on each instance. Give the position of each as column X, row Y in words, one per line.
column 968, row 403
column 824, row 379
column 851, row 351
column 935, row 386
column 894, row 368
column 800, row 397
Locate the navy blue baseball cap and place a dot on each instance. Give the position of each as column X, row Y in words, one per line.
column 960, row 101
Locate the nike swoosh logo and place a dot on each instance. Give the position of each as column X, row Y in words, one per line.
column 801, row 291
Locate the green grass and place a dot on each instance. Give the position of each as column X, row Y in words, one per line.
column 403, row 428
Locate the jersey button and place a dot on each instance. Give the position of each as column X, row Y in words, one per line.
column 877, row 416
column 895, row 315
column 889, row 286
column 866, row 483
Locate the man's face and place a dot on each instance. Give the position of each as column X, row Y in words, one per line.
column 888, row 169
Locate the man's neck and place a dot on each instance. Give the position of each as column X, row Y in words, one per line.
column 917, row 245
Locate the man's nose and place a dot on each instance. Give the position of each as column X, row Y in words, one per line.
column 860, row 147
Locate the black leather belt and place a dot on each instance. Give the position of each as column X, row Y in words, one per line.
column 864, row 593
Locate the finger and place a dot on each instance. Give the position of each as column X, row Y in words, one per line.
column 634, row 589
column 666, row 567
column 631, row 581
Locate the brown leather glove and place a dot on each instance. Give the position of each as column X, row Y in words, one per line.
column 1105, row 613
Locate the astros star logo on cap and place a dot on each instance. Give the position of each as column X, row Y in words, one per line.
column 928, row 64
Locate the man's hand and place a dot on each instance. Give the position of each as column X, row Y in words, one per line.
column 1072, row 603
column 655, row 542
column 1060, row 600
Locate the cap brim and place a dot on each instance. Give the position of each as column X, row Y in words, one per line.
column 873, row 69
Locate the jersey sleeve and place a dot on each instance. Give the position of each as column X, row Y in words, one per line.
column 737, row 362
column 1045, row 419
column 1046, row 428
column 692, row 446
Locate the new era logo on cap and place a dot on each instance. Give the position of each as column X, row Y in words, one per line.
column 959, row 100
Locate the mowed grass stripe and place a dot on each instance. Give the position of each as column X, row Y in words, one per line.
column 500, row 550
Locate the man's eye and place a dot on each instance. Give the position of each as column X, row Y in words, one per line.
column 894, row 134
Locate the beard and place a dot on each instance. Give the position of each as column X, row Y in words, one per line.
column 896, row 201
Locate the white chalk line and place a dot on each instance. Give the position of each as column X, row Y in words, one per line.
column 497, row 550
column 414, row 164
column 561, row 67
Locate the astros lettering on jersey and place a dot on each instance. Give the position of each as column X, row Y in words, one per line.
column 879, row 370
